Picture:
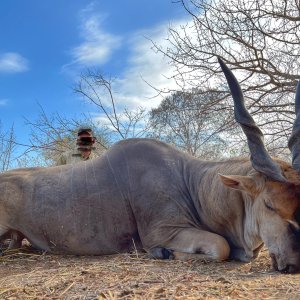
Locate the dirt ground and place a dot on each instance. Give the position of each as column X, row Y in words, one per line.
column 28, row 275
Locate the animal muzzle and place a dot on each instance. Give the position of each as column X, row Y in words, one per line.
column 283, row 267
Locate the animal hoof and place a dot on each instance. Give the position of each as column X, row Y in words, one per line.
column 167, row 254
column 161, row 253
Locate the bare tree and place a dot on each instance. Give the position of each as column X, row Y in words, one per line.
column 258, row 39
column 98, row 90
column 7, row 148
column 53, row 134
column 195, row 122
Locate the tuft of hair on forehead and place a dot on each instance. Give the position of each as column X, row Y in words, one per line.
column 289, row 173
column 290, row 200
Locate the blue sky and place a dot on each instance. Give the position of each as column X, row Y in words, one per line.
column 46, row 44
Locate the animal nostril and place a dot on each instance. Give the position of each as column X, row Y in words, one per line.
column 290, row 269
column 293, row 269
column 285, row 270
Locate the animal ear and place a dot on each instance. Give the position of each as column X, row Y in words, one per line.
column 242, row 183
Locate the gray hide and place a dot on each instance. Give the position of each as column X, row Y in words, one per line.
column 141, row 189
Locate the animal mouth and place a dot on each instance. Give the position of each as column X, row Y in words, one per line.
column 286, row 269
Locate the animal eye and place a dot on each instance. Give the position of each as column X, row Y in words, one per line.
column 269, row 207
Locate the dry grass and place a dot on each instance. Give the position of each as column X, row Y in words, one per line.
column 28, row 275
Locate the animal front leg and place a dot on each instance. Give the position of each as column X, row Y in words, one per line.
column 193, row 243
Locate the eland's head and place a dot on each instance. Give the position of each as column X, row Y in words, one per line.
column 274, row 185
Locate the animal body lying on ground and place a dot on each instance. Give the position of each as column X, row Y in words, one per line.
column 165, row 201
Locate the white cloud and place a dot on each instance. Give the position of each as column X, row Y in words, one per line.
column 146, row 68
column 11, row 62
column 97, row 46
column 3, row 102
column 142, row 66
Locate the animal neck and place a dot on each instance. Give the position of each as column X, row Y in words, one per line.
column 222, row 210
